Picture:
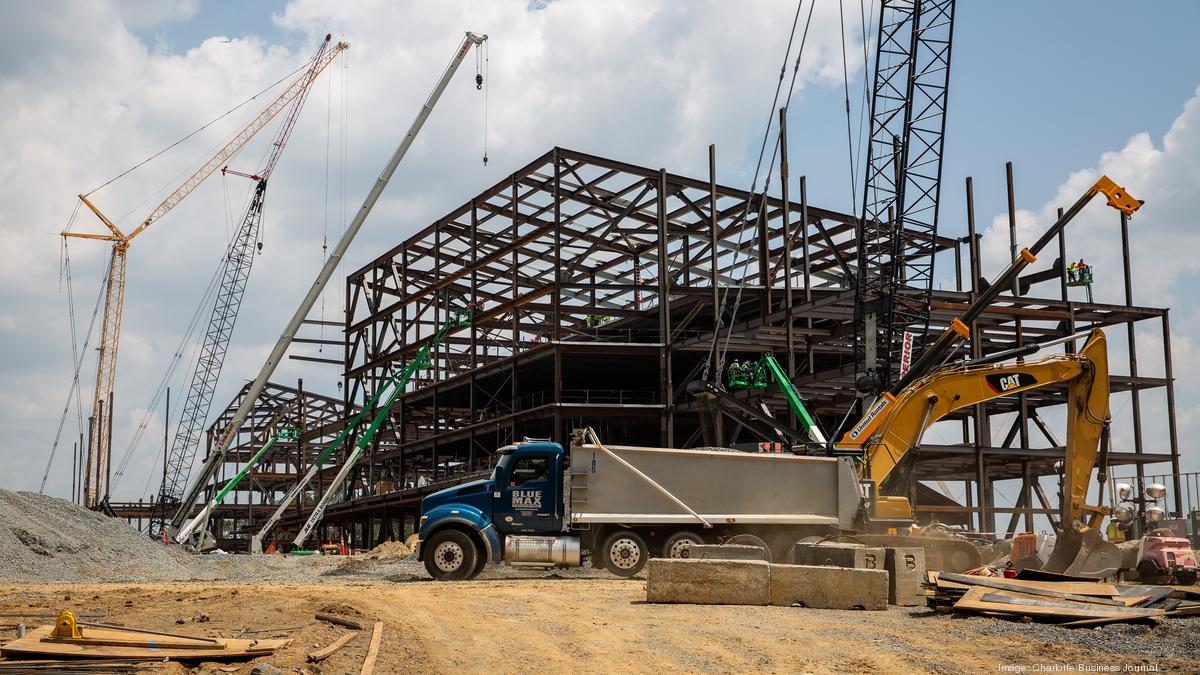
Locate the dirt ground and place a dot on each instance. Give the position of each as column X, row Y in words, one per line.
column 595, row 623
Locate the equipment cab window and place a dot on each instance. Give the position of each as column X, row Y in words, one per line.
column 528, row 469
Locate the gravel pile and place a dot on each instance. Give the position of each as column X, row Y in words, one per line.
column 44, row 539
column 48, row 539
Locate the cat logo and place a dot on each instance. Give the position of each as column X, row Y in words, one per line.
column 526, row 499
column 1010, row 382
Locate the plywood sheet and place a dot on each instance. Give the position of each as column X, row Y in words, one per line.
column 980, row 599
column 154, row 646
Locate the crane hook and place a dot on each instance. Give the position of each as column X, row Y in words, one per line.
column 478, row 80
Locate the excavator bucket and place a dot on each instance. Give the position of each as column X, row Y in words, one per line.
column 1084, row 554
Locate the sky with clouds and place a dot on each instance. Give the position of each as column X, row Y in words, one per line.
column 1064, row 90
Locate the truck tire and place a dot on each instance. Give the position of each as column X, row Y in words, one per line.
column 675, row 544
column 1186, row 577
column 452, row 556
column 624, row 553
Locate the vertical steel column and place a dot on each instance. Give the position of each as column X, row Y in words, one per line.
column 1170, row 376
column 556, row 314
column 714, row 252
column 1131, row 346
column 474, row 335
column 789, row 328
column 1062, row 264
column 808, row 340
column 664, row 316
column 764, row 257
column 983, row 431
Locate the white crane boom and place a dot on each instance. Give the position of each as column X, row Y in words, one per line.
column 182, row 532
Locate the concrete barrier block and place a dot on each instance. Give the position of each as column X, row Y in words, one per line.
column 724, row 552
column 906, row 570
column 832, row 554
column 824, row 587
column 708, row 582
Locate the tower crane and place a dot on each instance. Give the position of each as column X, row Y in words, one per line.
column 238, row 261
column 95, row 480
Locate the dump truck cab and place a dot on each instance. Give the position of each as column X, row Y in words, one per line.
column 464, row 527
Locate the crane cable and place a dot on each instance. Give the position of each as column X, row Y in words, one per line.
column 720, row 363
column 77, row 353
column 187, row 340
column 208, row 124
column 173, row 365
column 482, row 81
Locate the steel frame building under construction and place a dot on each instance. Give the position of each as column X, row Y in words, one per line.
column 600, row 284
column 582, row 326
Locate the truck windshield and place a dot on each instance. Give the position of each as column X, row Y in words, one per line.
column 501, row 468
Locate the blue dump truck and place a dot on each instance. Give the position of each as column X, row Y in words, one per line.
column 621, row 505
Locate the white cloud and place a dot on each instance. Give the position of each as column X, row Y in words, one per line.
column 1164, row 238
column 649, row 83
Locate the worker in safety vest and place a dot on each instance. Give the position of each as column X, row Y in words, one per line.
column 1116, row 534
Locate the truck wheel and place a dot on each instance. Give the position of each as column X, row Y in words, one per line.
column 479, row 564
column 676, row 544
column 451, row 556
column 624, row 553
column 1186, row 577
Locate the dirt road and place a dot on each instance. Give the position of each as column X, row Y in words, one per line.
column 547, row 623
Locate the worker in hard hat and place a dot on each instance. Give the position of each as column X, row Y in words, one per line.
column 1116, row 534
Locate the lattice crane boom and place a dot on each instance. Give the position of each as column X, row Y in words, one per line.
column 898, row 234
column 96, row 465
column 207, row 370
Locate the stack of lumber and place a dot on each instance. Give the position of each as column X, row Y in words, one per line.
column 1072, row 603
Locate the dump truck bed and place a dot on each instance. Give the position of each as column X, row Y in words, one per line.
column 722, row 487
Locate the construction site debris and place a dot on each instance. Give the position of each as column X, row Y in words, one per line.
column 373, row 650
column 132, row 644
column 339, row 620
column 328, row 650
column 1073, row 604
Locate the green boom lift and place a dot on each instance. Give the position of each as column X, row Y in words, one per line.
column 748, row 375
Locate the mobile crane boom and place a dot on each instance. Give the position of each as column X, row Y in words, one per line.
column 393, row 387
column 217, row 456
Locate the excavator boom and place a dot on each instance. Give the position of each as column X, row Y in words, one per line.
column 1079, row 549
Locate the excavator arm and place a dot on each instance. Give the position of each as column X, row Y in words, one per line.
column 941, row 393
column 1079, row 549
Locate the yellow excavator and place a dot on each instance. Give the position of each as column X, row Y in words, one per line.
column 895, row 421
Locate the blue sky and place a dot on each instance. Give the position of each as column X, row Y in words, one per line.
column 1059, row 88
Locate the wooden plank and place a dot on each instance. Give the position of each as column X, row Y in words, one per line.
column 1031, row 574
column 373, row 651
column 149, row 643
column 34, row 644
column 1092, row 623
column 324, row 652
column 1094, row 588
column 339, row 620
column 974, row 600
column 1009, row 585
column 145, row 631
